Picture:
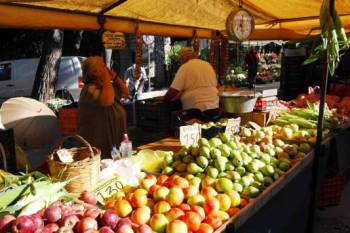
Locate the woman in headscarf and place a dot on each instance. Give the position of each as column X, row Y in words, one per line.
column 102, row 119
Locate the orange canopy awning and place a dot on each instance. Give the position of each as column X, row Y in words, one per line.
column 275, row 19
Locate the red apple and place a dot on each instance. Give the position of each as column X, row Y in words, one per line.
column 93, row 212
column 5, row 223
column 193, row 220
column 144, row 229
column 69, row 221
column 52, row 227
column 123, row 221
column 110, row 218
column 66, row 230
column 125, row 229
column 37, row 221
column 78, row 209
column 89, row 197
column 105, row 229
column 53, row 214
column 86, row 223
column 23, row 224
column 66, row 210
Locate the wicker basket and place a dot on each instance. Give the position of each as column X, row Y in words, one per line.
column 85, row 171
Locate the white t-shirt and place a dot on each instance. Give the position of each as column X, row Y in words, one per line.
column 196, row 80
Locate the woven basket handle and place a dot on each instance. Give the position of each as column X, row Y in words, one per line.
column 81, row 140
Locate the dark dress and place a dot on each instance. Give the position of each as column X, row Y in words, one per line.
column 102, row 127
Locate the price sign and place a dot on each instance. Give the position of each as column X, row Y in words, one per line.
column 108, row 188
column 233, row 126
column 190, row 134
column 113, row 40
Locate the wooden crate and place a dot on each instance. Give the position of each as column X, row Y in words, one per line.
column 258, row 117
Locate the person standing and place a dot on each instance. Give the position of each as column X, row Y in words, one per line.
column 194, row 84
column 101, row 118
column 252, row 60
column 135, row 86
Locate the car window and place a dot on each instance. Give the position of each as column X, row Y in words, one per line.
column 5, row 71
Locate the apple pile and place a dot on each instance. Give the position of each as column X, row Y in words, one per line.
column 175, row 204
column 79, row 216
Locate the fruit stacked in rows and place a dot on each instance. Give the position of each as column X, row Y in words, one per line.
column 250, row 163
column 69, row 217
column 178, row 204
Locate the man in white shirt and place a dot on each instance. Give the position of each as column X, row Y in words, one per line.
column 194, row 83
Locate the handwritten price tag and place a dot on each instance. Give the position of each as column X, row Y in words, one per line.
column 190, row 134
column 108, row 188
column 233, row 126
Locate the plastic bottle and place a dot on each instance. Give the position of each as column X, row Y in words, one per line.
column 125, row 147
column 115, row 154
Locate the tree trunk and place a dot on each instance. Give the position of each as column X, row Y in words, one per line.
column 47, row 71
column 159, row 58
column 78, row 37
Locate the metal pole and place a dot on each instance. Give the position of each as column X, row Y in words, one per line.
column 318, row 149
column 149, row 67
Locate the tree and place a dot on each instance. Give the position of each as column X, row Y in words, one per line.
column 46, row 74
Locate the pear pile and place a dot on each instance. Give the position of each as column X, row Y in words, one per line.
column 248, row 166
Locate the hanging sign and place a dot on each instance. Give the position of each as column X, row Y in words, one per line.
column 113, row 40
column 190, row 134
column 233, row 126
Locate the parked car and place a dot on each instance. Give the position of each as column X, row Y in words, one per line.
column 17, row 77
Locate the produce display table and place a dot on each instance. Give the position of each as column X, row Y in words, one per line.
column 166, row 144
column 291, row 192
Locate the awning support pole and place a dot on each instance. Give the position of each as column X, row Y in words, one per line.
column 318, row 148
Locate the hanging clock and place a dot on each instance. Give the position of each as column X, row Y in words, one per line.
column 240, row 24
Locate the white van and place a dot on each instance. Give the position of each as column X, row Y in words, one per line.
column 17, row 77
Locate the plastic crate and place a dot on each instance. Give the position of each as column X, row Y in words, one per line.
column 154, row 116
column 331, row 189
column 68, row 118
